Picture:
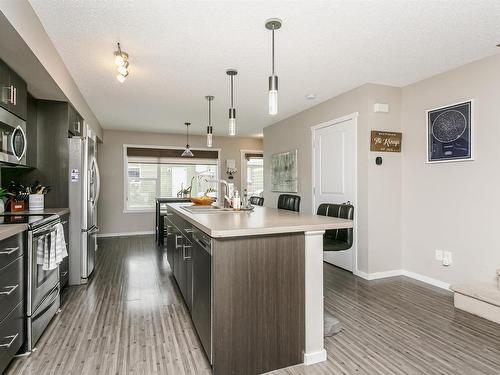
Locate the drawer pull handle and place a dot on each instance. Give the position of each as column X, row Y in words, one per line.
column 12, row 288
column 12, row 339
column 169, row 214
column 64, row 274
column 64, row 222
column 184, row 252
column 188, row 230
column 177, row 237
column 9, row 250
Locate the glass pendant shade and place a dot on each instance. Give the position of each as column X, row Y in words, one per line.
column 187, row 152
column 119, row 60
column 209, row 140
column 273, row 102
column 232, row 127
column 120, row 78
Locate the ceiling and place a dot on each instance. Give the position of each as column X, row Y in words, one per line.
column 180, row 50
column 16, row 53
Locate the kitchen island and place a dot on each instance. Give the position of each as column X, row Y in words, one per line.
column 253, row 283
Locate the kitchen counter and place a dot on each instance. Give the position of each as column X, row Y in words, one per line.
column 260, row 221
column 8, row 230
column 266, row 276
column 46, row 211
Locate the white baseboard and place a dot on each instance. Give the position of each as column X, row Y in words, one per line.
column 126, row 234
column 378, row 275
column 315, row 357
column 427, row 279
column 412, row 275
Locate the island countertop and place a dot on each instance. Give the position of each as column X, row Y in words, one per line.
column 260, row 221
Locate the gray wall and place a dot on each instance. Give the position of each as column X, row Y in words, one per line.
column 111, row 217
column 453, row 206
column 378, row 197
column 407, row 208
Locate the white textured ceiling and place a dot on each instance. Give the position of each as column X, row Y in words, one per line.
column 180, row 50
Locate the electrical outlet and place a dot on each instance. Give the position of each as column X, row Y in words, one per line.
column 439, row 255
column 447, row 258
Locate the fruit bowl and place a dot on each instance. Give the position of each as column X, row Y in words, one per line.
column 203, row 201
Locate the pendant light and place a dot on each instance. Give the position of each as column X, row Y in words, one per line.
column 187, row 152
column 232, row 111
column 209, row 126
column 273, row 24
column 122, row 64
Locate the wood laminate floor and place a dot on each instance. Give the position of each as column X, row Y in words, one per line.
column 131, row 320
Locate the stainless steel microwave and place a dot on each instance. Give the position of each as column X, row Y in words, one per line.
column 13, row 142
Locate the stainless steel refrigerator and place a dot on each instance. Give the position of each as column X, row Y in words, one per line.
column 84, row 185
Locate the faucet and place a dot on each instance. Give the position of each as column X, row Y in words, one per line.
column 226, row 202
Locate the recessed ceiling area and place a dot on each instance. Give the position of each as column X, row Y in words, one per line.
column 180, row 51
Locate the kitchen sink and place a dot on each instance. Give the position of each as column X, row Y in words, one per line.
column 207, row 209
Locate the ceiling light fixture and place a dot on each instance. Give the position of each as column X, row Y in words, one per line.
column 209, row 98
column 232, row 111
column 121, row 61
column 273, row 24
column 187, row 152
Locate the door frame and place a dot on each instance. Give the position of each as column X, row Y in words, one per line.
column 354, row 117
column 243, row 178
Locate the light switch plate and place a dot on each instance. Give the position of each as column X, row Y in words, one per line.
column 439, row 255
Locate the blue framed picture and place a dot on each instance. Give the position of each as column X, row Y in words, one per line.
column 450, row 133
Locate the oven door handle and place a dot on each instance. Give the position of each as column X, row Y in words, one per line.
column 41, row 234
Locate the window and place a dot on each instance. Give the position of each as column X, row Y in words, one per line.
column 254, row 173
column 148, row 177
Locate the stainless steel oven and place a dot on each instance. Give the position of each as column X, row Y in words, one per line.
column 43, row 286
column 13, row 141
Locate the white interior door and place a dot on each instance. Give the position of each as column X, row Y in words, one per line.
column 334, row 149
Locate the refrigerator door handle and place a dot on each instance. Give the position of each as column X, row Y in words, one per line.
column 98, row 182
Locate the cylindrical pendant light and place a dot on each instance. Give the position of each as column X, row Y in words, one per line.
column 209, row 126
column 273, row 24
column 232, row 111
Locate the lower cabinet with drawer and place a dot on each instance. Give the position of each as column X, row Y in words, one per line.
column 12, row 297
column 11, row 335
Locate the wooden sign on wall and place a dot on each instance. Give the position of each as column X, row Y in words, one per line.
column 385, row 141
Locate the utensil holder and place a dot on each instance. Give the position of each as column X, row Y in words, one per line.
column 36, row 202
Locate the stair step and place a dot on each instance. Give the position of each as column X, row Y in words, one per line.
column 484, row 292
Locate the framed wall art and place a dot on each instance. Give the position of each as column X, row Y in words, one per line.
column 450, row 133
column 284, row 172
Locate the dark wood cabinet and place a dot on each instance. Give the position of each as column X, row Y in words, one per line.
column 12, row 302
column 5, row 86
column 14, row 91
column 19, row 107
column 75, row 121
column 179, row 248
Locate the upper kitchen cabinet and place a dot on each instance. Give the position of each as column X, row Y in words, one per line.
column 14, row 91
column 75, row 121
